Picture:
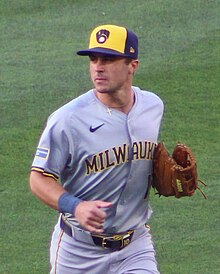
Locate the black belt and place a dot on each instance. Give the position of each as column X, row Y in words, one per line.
column 111, row 241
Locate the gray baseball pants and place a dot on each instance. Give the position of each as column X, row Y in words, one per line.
column 79, row 255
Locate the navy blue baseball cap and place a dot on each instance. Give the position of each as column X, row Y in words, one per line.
column 112, row 40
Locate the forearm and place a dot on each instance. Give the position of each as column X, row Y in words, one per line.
column 88, row 213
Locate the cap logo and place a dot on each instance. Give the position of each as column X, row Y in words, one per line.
column 102, row 36
column 132, row 50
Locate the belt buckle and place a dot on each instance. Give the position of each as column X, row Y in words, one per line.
column 104, row 242
column 112, row 239
column 124, row 239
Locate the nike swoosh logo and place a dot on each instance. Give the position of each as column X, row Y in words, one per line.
column 93, row 129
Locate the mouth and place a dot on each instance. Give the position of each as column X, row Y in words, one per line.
column 100, row 78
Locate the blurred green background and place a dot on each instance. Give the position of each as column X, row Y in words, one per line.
column 39, row 71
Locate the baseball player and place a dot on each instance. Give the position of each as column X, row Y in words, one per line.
column 94, row 162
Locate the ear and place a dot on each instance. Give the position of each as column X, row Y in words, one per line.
column 134, row 66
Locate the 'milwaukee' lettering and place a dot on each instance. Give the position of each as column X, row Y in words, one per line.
column 142, row 150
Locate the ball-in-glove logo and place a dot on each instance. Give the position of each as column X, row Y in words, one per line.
column 102, row 36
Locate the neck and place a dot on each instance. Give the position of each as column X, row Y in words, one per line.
column 121, row 101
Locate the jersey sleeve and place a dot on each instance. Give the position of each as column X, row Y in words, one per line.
column 53, row 151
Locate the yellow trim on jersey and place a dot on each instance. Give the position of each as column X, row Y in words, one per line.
column 50, row 175
column 44, row 173
column 115, row 41
column 37, row 169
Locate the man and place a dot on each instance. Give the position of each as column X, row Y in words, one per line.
column 94, row 163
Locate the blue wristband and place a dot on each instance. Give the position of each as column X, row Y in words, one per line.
column 67, row 203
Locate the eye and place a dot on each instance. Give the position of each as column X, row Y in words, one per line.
column 109, row 59
column 103, row 59
column 92, row 58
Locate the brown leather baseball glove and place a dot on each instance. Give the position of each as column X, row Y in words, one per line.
column 175, row 175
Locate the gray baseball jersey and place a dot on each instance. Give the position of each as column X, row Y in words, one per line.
column 99, row 153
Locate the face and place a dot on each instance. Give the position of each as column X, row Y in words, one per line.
column 110, row 74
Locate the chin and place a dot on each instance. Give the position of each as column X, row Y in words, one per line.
column 102, row 90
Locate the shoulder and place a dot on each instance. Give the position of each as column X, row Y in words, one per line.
column 148, row 96
column 72, row 108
